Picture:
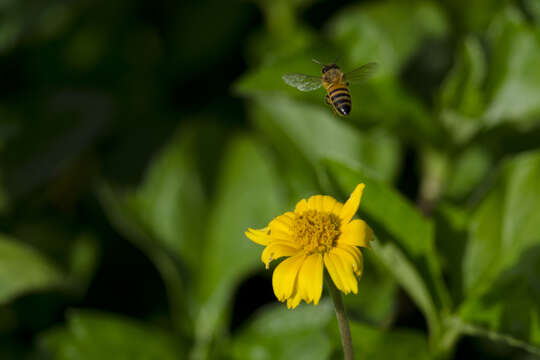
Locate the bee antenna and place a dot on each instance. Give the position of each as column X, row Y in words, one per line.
column 338, row 57
column 317, row 62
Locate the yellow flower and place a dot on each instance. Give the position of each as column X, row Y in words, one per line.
column 319, row 233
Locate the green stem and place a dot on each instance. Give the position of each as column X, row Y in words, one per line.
column 343, row 323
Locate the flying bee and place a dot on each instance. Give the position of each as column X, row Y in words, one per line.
column 334, row 81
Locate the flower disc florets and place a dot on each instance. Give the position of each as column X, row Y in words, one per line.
column 316, row 232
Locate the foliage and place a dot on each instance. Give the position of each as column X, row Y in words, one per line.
column 136, row 150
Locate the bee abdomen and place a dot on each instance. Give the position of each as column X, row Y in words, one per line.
column 341, row 99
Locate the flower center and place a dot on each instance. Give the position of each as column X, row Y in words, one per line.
column 316, row 231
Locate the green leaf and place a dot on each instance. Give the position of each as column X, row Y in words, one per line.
column 502, row 254
column 409, row 278
column 514, row 77
column 372, row 343
column 122, row 215
column 469, row 169
column 505, row 223
column 248, row 195
column 376, row 301
column 533, row 8
column 480, row 95
column 461, row 99
column 270, row 47
column 478, row 15
column 24, row 270
column 93, row 335
column 171, row 201
column 472, row 330
column 276, row 332
column 451, row 223
column 319, row 135
column 83, row 260
column 380, row 32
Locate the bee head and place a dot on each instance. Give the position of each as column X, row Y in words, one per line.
column 328, row 67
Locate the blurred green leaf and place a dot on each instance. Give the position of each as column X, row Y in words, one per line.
column 461, row 97
column 502, row 255
column 469, row 168
column 376, row 301
column 119, row 210
column 473, row 16
column 276, row 332
column 533, row 8
column 482, row 91
column 493, row 336
column 409, row 278
column 514, row 77
column 372, row 343
column 267, row 48
column 451, row 237
column 513, row 207
column 283, row 34
column 10, row 32
column 391, row 215
column 74, row 252
column 83, row 262
column 319, row 135
column 24, row 270
column 171, row 201
column 248, row 195
column 380, row 32
column 387, row 103
column 91, row 335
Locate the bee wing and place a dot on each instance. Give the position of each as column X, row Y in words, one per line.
column 362, row 73
column 303, row 82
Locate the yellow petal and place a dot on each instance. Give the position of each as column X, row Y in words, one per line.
column 348, row 268
column 354, row 256
column 356, row 233
column 301, row 206
column 281, row 226
column 334, row 273
column 310, row 279
column 285, row 275
column 343, row 264
column 350, row 207
column 276, row 250
column 330, row 205
column 294, row 300
column 259, row 236
column 315, row 203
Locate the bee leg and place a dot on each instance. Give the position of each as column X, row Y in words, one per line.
column 327, row 99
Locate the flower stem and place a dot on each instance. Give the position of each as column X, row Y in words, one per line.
column 343, row 322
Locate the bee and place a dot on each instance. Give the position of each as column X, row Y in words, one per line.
column 335, row 82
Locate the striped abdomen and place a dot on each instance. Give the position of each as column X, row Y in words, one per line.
column 340, row 98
